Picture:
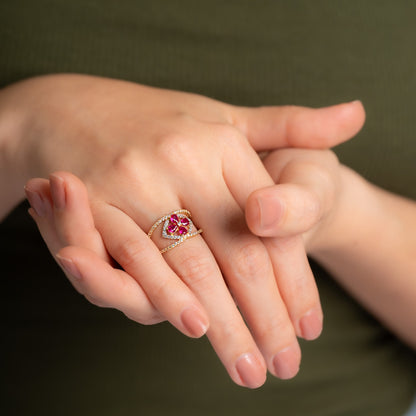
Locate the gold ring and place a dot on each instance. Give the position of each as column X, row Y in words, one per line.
column 177, row 226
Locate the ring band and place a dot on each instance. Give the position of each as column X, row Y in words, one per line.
column 178, row 226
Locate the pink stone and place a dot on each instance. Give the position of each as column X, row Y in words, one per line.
column 174, row 218
column 171, row 228
column 182, row 230
column 184, row 221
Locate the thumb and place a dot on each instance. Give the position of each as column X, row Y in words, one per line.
column 307, row 185
column 291, row 126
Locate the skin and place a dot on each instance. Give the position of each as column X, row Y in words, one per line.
column 343, row 235
column 134, row 148
column 303, row 178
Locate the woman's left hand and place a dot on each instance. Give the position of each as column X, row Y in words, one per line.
column 140, row 150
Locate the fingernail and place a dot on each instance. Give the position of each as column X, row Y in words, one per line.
column 36, row 202
column 270, row 211
column 194, row 321
column 58, row 191
column 250, row 370
column 69, row 266
column 311, row 324
column 286, row 362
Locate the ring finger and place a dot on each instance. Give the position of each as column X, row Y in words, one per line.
column 198, row 272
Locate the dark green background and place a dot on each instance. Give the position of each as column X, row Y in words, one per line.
column 63, row 356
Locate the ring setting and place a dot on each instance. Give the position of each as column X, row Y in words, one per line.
column 178, row 226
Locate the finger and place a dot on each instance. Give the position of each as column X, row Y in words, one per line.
column 287, row 210
column 88, row 272
column 282, row 210
column 194, row 264
column 197, row 271
column 291, row 269
column 74, row 222
column 307, row 181
column 228, row 333
column 140, row 258
column 297, row 285
column 105, row 286
column 249, row 275
column 291, row 126
column 39, row 198
column 246, row 368
column 243, row 170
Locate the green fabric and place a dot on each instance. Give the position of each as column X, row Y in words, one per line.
column 64, row 356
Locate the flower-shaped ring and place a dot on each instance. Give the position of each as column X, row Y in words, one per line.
column 176, row 226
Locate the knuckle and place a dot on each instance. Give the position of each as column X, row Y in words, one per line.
column 318, row 190
column 130, row 252
column 125, row 163
column 325, row 176
column 161, row 290
column 230, row 136
column 173, row 147
column 196, row 270
column 252, row 262
column 231, row 332
column 67, row 235
column 312, row 206
column 96, row 300
column 324, row 194
column 277, row 326
column 330, row 156
column 285, row 245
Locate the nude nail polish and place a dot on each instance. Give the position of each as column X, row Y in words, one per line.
column 311, row 324
column 270, row 211
column 58, row 191
column 36, row 202
column 286, row 362
column 250, row 370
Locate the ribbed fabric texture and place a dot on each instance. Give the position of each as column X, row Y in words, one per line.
column 65, row 357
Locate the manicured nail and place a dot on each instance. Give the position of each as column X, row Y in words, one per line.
column 269, row 211
column 36, row 202
column 250, row 370
column 286, row 362
column 58, row 191
column 69, row 266
column 194, row 321
column 311, row 324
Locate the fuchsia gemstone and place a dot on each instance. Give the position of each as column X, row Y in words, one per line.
column 176, row 225
column 184, row 221
column 182, row 230
column 171, row 228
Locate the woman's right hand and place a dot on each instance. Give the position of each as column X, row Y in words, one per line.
column 143, row 152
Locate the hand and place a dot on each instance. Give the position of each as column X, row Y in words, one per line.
column 299, row 209
column 143, row 152
column 340, row 216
